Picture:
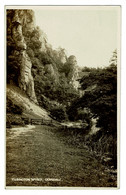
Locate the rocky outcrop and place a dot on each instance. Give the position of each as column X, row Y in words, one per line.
column 72, row 69
column 29, row 53
column 51, row 73
column 25, row 80
column 18, row 22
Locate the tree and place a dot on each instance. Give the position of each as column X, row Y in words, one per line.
column 101, row 100
column 58, row 113
column 102, row 103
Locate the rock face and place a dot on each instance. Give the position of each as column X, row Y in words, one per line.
column 25, row 79
column 29, row 53
column 51, row 73
column 16, row 26
column 73, row 71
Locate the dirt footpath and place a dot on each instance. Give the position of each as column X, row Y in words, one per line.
column 36, row 156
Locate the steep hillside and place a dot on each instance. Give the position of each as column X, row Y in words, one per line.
column 34, row 66
column 36, row 73
column 19, row 105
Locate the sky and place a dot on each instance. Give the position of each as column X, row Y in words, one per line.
column 91, row 33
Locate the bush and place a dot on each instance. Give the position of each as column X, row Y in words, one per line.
column 105, row 146
column 13, row 119
column 13, row 108
column 59, row 113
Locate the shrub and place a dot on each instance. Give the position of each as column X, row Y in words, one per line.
column 58, row 113
column 13, row 119
column 13, row 108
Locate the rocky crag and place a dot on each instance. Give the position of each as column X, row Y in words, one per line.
column 32, row 64
column 16, row 48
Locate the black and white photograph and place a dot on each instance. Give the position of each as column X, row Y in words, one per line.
column 62, row 96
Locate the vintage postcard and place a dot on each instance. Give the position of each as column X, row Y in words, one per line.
column 62, row 96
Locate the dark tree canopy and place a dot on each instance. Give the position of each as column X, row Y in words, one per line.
column 100, row 96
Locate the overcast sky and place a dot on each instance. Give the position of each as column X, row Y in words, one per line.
column 90, row 33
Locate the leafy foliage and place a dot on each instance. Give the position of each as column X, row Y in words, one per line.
column 100, row 98
column 13, row 108
column 14, row 112
column 59, row 113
